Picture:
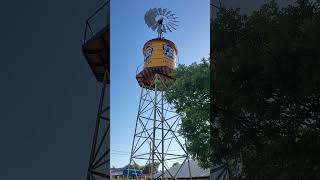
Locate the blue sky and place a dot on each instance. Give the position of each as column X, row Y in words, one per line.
column 128, row 35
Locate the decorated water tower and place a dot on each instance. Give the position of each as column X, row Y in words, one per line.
column 160, row 54
column 156, row 141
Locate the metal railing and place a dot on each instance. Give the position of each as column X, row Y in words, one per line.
column 99, row 20
column 141, row 65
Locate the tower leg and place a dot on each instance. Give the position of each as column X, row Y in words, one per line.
column 134, row 137
column 162, row 138
column 100, row 149
column 154, row 130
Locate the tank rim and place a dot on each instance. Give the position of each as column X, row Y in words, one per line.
column 162, row 39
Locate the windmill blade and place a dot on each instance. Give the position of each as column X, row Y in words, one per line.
column 174, row 24
column 168, row 28
column 147, row 18
column 172, row 27
column 154, row 27
column 172, row 17
column 155, row 11
column 174, row 21
column 164, row 29
column 159, row 11
column 168, row 12
column 164, row 11
column 150, row 18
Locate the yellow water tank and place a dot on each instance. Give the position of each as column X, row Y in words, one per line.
column 160, row 52
column 160, row 57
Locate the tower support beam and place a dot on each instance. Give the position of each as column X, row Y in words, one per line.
column 100, row 149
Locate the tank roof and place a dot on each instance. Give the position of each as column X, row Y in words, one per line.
column 162, row 39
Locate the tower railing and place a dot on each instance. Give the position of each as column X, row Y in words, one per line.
column 93, row 24
column 141, row 65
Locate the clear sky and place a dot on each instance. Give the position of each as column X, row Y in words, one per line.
column 128, row 35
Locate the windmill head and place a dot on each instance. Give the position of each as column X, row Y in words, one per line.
column 161, row 20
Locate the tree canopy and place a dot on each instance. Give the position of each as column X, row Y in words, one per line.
column 265, row 94
column 266, row 97
column 190, row 96
column 145, row 168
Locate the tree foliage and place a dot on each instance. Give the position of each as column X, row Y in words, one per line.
column 145, row 168
column 134, row 166
column 175, row 164
column 190, row 96
column 266, row 91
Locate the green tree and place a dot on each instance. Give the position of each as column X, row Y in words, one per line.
column 175, row 164
column 266, row 91
column 190, row 96
column 265, row 102
column 134, row 166
column 147, row 168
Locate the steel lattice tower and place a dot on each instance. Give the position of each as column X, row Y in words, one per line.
column 96, row 49
column 156, row 132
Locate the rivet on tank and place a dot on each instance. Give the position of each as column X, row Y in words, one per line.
column 160, row 54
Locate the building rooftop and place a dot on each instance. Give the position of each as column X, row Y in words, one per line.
column 196, row 171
